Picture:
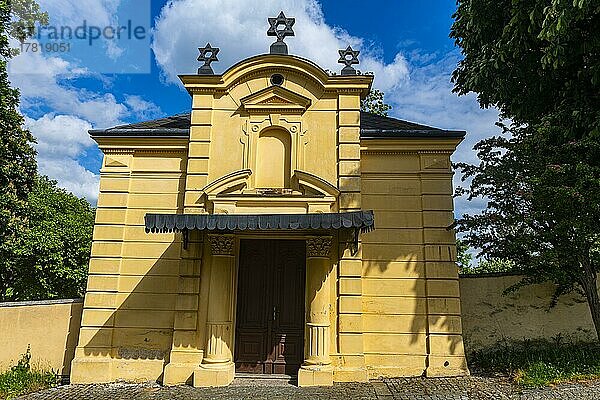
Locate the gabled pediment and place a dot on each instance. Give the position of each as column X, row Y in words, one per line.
column 275, row 99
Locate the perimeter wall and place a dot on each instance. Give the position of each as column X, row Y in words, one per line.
column 51, row 327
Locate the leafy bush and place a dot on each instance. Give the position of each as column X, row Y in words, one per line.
column 23, row 379
column 539, row 363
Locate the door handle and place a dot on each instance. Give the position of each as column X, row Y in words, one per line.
column 274, row 313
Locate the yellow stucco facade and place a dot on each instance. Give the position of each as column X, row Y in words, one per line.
column 162, row 305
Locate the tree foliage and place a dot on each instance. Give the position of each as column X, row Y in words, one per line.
column 463, row 257
column 375, row 104
column 17, row 155
column 538, row 62
column 51, row 257
column 45, row 232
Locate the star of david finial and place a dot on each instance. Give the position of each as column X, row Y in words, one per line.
column 208, row 54
column 349, row 58
column 280, row 27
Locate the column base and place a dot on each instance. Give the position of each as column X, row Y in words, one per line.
column 315, row 375
column 214, row 375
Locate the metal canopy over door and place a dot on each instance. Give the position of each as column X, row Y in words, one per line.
column 270, row 307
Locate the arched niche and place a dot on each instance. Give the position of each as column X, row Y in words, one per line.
column 273, row 159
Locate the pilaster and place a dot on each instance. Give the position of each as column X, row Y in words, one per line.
column 316, row 369
column 93, row 362
column 217, row 368
column 444, row 330
column 199, row 151
column 187, row 350
column 351, row 365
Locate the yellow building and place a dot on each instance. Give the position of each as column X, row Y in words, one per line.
column 240, row 238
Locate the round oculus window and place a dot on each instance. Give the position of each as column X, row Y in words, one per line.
column 277, row 79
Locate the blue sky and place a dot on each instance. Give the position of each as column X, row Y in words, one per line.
column 405, row 43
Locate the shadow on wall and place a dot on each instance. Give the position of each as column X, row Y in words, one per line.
column 72, row 338
column 490, row 317
column 141, row 327
column 426, row 294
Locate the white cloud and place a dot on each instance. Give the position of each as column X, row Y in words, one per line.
column 44, row 82
column 427, row 98
column 74, row 13
column 62, row 139
column 62, row 133
column 143, row 109
column 239, row 28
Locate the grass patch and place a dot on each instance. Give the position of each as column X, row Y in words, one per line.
column 539, row 363
column 22, row 379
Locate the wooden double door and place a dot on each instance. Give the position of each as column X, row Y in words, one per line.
column 269, row 337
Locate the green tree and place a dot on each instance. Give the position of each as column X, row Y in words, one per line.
column 463, row 257
column 53, row 253
column 375, row 104
column 17, row 155
column 538, row 62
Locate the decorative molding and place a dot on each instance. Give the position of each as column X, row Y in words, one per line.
column 316, row 183
column 111, row 162
column 266, row 72
column 221, row 245
column 275, row 99
column 318, row 246
column 215, row 91
column 160, row 151
column 119, row 152
column 228, row 181
column 413, row 152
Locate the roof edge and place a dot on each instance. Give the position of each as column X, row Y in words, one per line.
column 411, row 133
column 160, row 132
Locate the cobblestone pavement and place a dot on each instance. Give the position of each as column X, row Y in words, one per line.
column 403, row 389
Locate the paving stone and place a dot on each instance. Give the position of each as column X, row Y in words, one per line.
column 467, row 388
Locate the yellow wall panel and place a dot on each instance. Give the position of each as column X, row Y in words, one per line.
column 400, row 236
column 143, row 338
column 108, row 184
column 391, row 305
column 445, row 324
column 108, row 232
column 143, row 319
column 444, row 306
column 159, row 163
column 151, row 250
column 394, row 269
column 156, row 185
column 382, row 343
column 105, row 266
column 391, row 186
column 438, row 203
column 396, row 219
column 150, row 267
column 443, row 288
column 110, row 215
column 392, row 252
column 112, row 200
column 394, row 287
column 349, row 134
column 395, row 323
column 392, row 203
column 383, row 163
column 148, row 284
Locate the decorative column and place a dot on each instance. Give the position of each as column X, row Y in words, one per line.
column 316, row 369
column 217, row 368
